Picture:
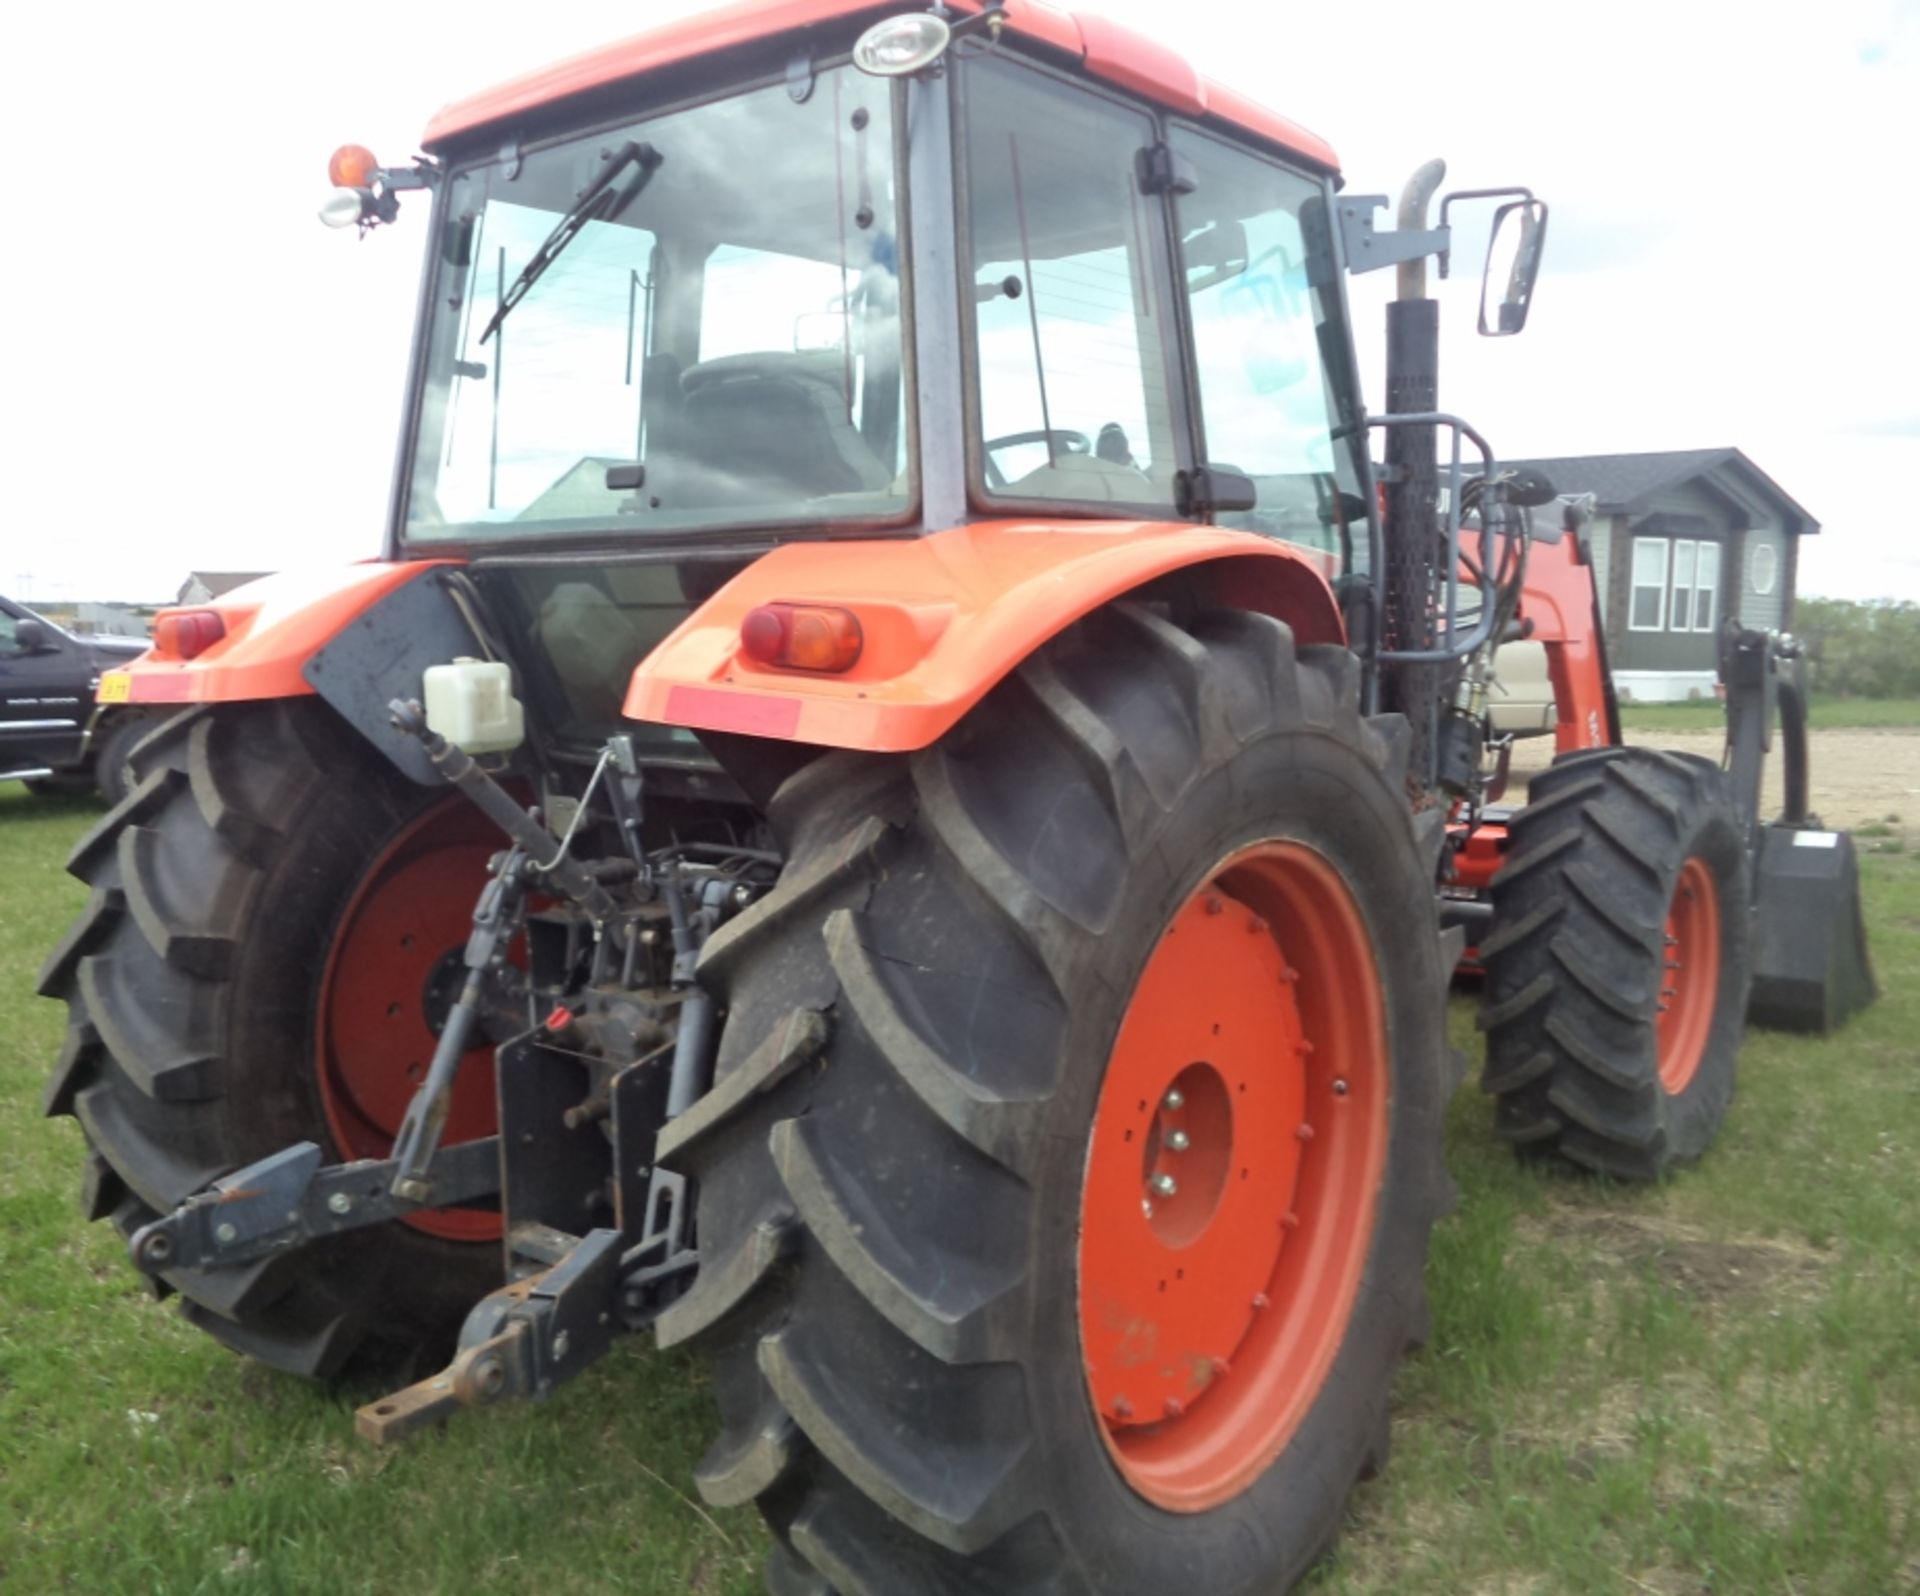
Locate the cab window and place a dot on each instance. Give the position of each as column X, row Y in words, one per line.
column 1268, row 346
column 1071, row 346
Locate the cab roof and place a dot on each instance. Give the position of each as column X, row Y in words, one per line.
column 1105, row 49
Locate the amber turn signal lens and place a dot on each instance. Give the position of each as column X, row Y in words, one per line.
column 802, row 637
column 186, row 634
column 351, row 166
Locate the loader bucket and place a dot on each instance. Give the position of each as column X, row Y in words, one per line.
column 1810, row 965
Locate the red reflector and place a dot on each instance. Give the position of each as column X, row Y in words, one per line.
column 185, row 634
column 802, row 637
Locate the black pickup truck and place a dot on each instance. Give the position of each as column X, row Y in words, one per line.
column 54, row 735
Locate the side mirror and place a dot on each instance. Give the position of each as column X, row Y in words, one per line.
column 31, row 637
column 1513, row 260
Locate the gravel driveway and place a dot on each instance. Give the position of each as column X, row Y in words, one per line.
column 1864, row 777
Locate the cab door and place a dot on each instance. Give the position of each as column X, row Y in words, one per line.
column 44, row 695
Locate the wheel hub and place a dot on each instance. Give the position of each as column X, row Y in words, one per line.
column 392, row 972
column 1689, row 977
column 1231, row 1176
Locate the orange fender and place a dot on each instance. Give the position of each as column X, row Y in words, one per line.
column 944, row 618
column 273, row 627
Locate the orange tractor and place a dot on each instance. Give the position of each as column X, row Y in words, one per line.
column 901, row 808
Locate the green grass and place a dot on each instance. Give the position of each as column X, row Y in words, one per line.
column 1713, row 1386
column 1830, row 713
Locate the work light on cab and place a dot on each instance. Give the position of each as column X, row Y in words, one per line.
column 802, row 637
column 364, row 190
column 901, row 46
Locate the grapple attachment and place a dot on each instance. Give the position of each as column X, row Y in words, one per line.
column 1810, row 966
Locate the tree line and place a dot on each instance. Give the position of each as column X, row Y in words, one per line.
column 1869, row 650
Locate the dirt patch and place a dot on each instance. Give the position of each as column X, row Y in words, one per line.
column 1862, row 778
column 1707, row 1268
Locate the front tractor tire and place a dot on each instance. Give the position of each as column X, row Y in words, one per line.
column 248, row 973
column 1617, row 964
column 1065, row 1186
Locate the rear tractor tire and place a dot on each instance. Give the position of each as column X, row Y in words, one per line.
column 1065, row 1186
column 268, row 903
column 1617, row 964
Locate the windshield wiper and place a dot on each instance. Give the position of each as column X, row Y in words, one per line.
column 601, row 203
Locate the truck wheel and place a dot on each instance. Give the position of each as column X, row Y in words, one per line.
column 110, row 769
column 254, row 967
column 1617, row 964
column 60, row 786
column 1065, row 1186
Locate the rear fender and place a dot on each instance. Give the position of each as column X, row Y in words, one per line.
column 945, row 617
column 273, row 628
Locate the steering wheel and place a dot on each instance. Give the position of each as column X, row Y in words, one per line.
column 1063, row 440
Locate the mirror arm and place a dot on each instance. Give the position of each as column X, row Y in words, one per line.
column 1525, row 194
column 1368, row 249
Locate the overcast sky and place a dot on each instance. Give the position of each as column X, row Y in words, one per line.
column 200, row 376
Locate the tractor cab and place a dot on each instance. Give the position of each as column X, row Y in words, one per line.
column 861, row 281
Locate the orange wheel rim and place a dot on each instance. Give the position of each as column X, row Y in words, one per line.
column 398, row 941
column 1231, row 1177
column 1689, row 976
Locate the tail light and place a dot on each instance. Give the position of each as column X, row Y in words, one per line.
column 187, row 634
column 802, row 637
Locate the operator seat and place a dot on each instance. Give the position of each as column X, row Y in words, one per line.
column 768, row 427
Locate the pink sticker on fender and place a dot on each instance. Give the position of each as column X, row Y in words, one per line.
column 715, row 710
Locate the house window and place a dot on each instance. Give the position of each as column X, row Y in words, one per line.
column 1680, row 612
column 1706, row 587
column 1763, row 568
column 1649, row 608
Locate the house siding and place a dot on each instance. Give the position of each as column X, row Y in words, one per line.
column 1619, row 581
column 1600, row 544
column 1685, row 511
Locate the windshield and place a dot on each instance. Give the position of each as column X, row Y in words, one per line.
column 717, row 345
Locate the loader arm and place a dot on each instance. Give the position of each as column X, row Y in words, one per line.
column 1561, row 609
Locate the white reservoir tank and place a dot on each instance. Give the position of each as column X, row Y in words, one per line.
column 471, row 704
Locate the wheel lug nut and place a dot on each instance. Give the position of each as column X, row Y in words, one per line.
column 1221, row 1368
column 1259, row 1301
column 1122, row 1408
column 1216, row 905
column 1178, row 1141
column 1305, row 1133
column 1340, row 1088
column 1175, row 1098
column 1165, row 1185
column 1175, row 1407
column 1146, row 1206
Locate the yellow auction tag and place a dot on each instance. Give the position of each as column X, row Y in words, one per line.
column 116, row 687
